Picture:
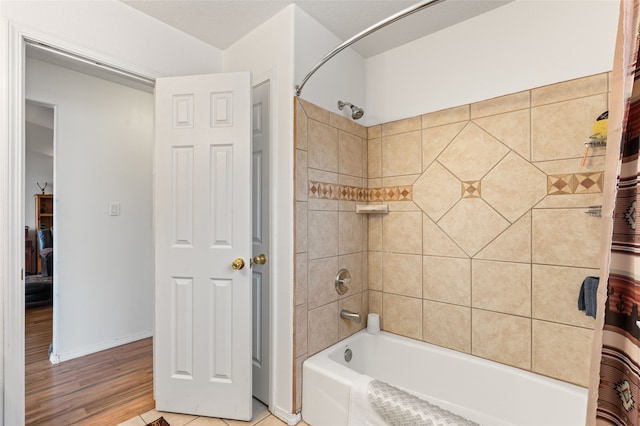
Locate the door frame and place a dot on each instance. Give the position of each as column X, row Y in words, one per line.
column 12, row 47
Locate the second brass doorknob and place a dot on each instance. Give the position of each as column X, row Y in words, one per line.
column 260, row 259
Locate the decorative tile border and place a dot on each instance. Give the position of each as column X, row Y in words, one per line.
column 334, row 191
column 576, row 183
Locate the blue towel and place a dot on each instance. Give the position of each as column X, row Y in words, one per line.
column 588, row 298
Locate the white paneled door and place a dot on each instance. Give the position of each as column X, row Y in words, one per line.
column 202, row 337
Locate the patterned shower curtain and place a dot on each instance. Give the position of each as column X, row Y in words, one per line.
column 614, row 392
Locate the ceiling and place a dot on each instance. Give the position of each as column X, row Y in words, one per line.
column 220, row 23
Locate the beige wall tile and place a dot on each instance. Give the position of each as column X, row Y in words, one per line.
column 351, row 150
column 351, row 233
column 374, row 132
column 569, row 122
column 513, row 187
column 323, row 146
column 323, row 327
column 436, row 191
column 354, row 263
column 301, row 278
column 402, row 154
column 375, row 270
column 402, row 274
column 348, row 125
column 323, row 234
column 446, row 116
column 595, row 163
column 301, row 227
column 322, row 273
column 402, row 315
column 571, row 89
column 570, row 201
column 374, row 231
column 375, row 304
column 365, row 306
column 562, row 351
column 500, row 105
column 555, row 291
column 298, row 375
column 513, row 245
column 512, row 129
column 436, row 243
column 402, row 232
column 301, row 127
column 436, row 139
column 501, row 287
column 447, row 279
column 501, row 337
column 302, row 186
column 447, row 325
column 301, row 330
column 314, row 112
column 401, row 126
column 565, row 237
column 473, row 224
column 472, row 153
column 374, row 152
column 352, row 303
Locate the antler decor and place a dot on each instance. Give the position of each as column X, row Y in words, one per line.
column 42, row 187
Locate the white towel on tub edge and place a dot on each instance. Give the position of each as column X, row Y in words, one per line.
column 360, row 411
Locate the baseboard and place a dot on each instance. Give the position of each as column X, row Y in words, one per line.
column 285, row 416
column 60, row 357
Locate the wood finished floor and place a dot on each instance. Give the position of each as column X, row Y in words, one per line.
column 105, row 388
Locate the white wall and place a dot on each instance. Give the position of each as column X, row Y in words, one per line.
column 111, row 29
column 268, row 53
column 341, row 78
column 518, row 46
column 103, row 153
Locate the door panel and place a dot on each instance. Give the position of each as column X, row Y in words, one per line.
column 202, row 339
column 260, row 238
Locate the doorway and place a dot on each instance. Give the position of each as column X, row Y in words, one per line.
column 119, row 206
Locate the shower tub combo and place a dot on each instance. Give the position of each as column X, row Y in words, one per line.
column 482, row 391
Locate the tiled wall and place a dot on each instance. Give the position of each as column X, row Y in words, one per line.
column 489, row 255
column 486, row 241
column 331, row 164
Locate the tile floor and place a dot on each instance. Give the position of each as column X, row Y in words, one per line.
column 261, row 417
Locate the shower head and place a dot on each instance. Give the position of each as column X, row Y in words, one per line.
column 356, row 112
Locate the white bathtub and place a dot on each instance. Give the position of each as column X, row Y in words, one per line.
column 483, row 391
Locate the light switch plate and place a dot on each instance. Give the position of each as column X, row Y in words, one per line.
column 114, row 209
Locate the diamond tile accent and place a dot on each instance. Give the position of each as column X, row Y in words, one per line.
column 333, row 191
column 560, row 184
column 576, row 183
column 471, row 189
column 589, row 183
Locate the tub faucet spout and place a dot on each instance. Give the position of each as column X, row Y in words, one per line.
column 351, row 316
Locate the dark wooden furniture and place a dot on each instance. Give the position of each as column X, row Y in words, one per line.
column 44, row 219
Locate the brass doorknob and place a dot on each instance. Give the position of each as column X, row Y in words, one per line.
column 238, row 264
column 260, row 259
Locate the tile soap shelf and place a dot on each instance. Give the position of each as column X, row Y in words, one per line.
column 372, row 208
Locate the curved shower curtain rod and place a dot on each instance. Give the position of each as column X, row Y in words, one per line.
column 390, row 20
